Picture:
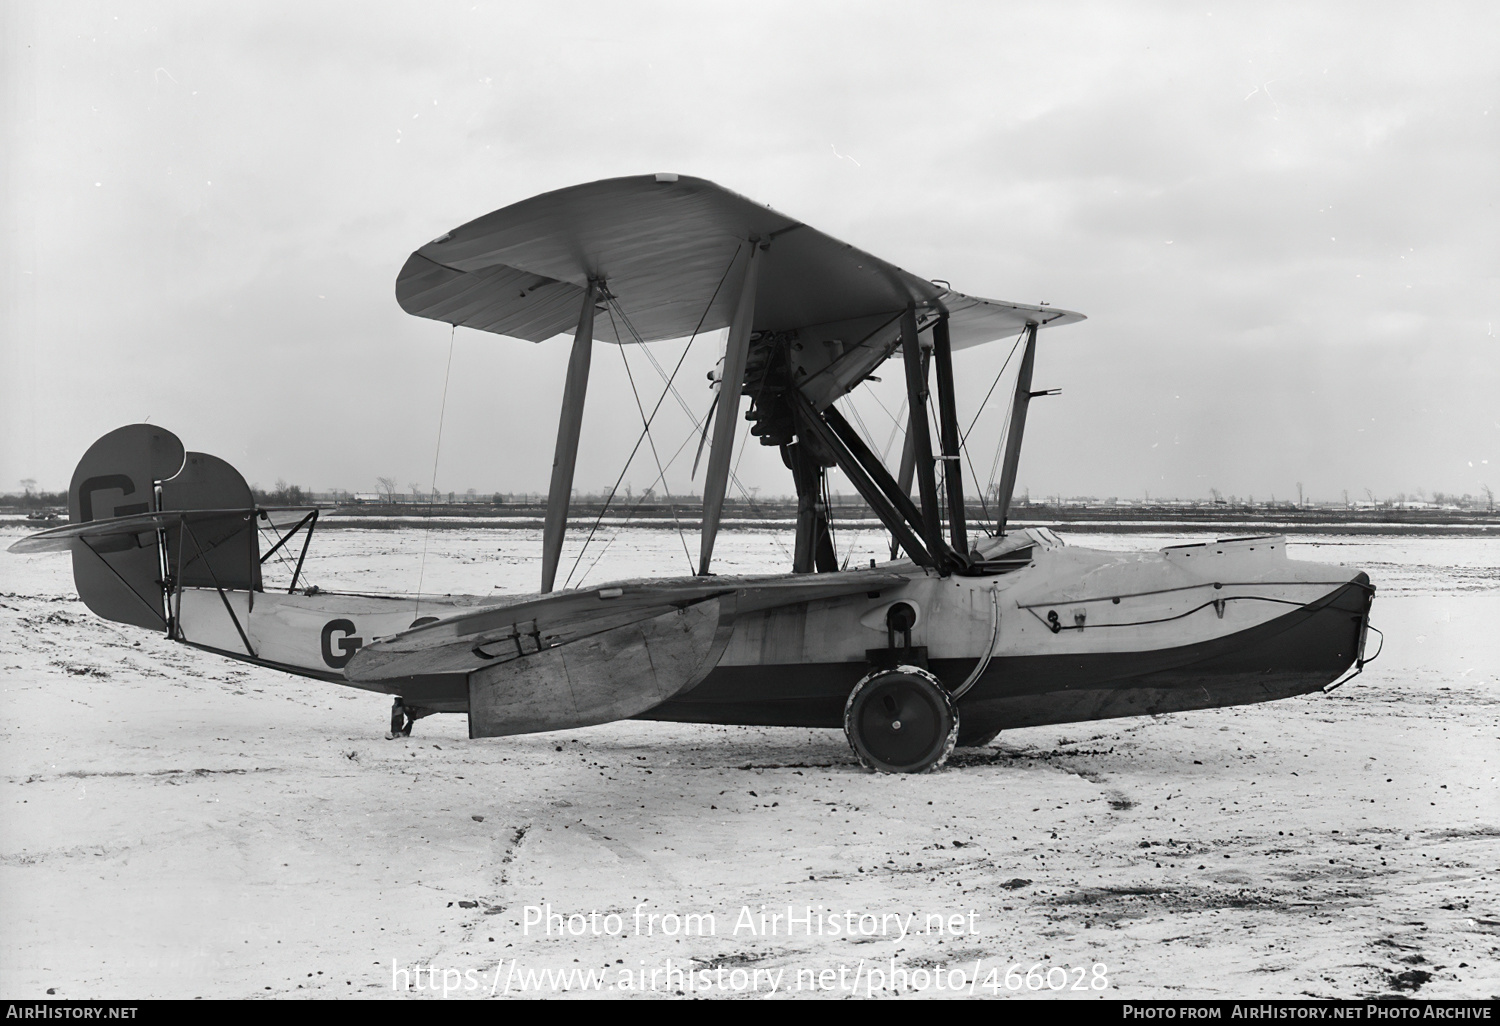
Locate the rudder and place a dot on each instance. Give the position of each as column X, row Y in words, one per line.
column 121, row 578
column 141, row 468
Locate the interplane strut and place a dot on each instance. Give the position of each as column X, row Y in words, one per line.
column 726, row 416
column 1016, row 428
column 569, row 424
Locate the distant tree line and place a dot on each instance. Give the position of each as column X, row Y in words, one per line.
column 30, row 498
column 284, row 494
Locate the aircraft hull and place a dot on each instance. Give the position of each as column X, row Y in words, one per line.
column 1071, row 634
column 1295, row 653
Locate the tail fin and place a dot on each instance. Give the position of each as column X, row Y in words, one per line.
column 141, row 468
column 222, row 551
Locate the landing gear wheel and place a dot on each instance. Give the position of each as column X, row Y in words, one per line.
column 901, row 721
column 402, row 718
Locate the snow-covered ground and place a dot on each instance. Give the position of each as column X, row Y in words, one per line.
column 181, row 825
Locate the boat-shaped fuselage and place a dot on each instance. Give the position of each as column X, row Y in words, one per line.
column 1066, row 633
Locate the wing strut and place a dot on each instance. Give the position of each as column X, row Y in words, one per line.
column 866, row 473
column 907, row 471
column 727, row 416
column 569, row 424
column 953, row 479
column 1016, row 428
column 916, row 395
column 814, row 546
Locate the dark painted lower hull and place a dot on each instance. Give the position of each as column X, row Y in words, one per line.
column 1293, row 654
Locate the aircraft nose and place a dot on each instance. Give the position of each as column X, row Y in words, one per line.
column 1357, row 595
column 1361, row 584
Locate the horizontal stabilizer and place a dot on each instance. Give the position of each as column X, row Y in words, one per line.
column 146, row 516
column 136, row 529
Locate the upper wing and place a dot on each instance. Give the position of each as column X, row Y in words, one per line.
column 973, row 321
column 668, row 248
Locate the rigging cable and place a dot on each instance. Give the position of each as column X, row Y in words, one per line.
column 680, row 359
column 661, row 472
column 999, row 451
column 692, row 434
column 974, row 476
column 630, row 515
column 992, row 386
column 436, row 450
column 864, row 430
column 896, row 427
column 869, row 439
column 999, row 448
column 734, row 477
column 623, row 471
column 279, row 539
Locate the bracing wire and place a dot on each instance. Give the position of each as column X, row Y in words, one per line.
column 992, row 387
column 700, row 424
column 280, row 552
column 630, row 514
column 651, row 440
column 999, row 446
column 963, row 440
column 645, row 431
column 436, row 451
column 734, row 471
column 610, row 498
column 864, row 430
column 896, row 426
column 974, row 476
column 869, row 438
column 874, row 395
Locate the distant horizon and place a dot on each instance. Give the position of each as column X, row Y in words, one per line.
column 527, row 497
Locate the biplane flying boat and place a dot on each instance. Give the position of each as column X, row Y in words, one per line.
column 967, row 630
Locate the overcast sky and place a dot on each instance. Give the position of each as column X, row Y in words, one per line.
column 1279, row 219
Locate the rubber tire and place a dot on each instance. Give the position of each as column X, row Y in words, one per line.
column 880, row 701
